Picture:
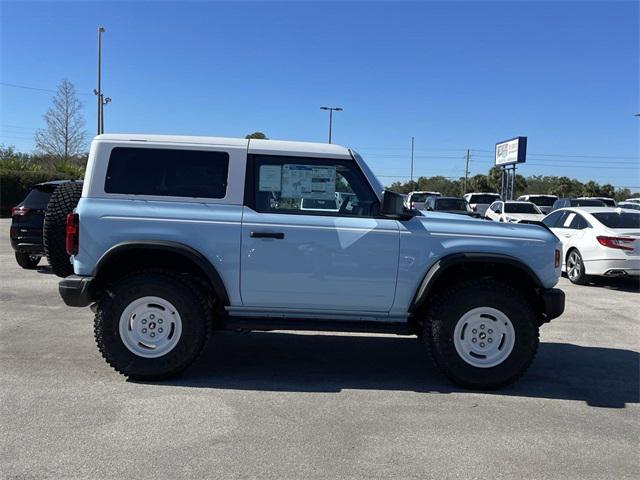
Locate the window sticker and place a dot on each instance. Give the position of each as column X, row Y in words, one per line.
column 306, row 181
column 270, row 178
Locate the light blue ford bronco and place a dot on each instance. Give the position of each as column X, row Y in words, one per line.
column 174, row 237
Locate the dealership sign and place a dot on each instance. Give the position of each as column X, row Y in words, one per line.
column 511, row 151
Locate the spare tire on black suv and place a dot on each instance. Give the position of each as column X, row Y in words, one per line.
column 62, row 202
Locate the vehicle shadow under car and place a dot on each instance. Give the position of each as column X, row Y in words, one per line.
column 282, row 361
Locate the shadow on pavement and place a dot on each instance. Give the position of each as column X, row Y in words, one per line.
column 629, row 284
column 275, row 361
column 45, row 269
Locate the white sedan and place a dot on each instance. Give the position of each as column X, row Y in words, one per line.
column 597, row 241
column 513, row 211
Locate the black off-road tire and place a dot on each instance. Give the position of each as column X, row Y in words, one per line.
column 62, row 202
column 450, row 307
column 27, row 261
column 185, row 295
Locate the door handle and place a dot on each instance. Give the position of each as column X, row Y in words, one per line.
column 276, row 235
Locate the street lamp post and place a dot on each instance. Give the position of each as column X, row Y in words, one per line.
column 331, row 110
column 98, row 91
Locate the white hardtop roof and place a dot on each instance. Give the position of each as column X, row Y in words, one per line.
column 272, row 147
column 538, row 195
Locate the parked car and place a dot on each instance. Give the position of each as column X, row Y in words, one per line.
column 513, row 211
column 542, row 201
column 577, row 202
column 629, row 205
column 633, row 200
column 597, row 241
column 27, row 219
column 417, row 199
column 609, row 202
column 479, row 202
column 175, row 236
column 456, row 205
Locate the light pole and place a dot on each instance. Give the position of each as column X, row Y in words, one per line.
column 331, row 110
column 105, row 100
column 98, row 91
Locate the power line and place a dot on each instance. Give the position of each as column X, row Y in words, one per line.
column 26, row 87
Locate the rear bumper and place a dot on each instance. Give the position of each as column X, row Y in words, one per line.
column 613, row 266
column 552, row 303
column 76, row 290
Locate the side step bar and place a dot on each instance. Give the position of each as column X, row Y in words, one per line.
column 314, row 324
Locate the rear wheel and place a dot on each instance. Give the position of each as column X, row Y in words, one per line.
column 152, row 325
column 27, row 261
column 62, row 202
column 482, row 334
column 575, row 268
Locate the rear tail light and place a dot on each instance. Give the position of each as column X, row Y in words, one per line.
column 72, row 230
column 557, row 259
column 621, row 243
column 19, row 211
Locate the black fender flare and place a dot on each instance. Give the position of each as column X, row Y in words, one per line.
column 175, row 247
column 441, row 265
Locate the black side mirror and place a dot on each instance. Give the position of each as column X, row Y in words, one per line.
column 393, row 206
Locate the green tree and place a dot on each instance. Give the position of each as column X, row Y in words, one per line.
column 257, row 135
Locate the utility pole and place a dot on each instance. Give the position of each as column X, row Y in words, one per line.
column 331, row 110
column 412, row 145
column 466, row 170
column 98, row 91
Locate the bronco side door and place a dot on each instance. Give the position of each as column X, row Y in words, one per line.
column 312, row 239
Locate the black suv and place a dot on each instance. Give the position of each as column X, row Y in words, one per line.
column 27, row 220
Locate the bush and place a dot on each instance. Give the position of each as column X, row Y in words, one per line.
column 14, row 185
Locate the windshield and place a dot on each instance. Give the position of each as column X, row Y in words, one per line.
column 419, row 197
column 452, row 204
column 587, row 203
column 37, row 199
column 520, row 208
column 543, row 201
column 484, row 198
column 619, row 220
column 377, row 186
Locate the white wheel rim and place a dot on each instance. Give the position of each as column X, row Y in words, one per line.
column 484, row 337
column 150, row 327
column 574, row 266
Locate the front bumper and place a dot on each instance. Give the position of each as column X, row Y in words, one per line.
column 552, row 303
column 76, row 290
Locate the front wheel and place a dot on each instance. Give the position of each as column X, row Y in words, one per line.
column 152, row 325
column 482, row 334
column 575, row 268
column 27, row 261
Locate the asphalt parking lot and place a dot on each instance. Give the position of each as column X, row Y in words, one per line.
column 292, row 406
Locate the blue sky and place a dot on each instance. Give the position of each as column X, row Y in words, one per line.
column 455, row 75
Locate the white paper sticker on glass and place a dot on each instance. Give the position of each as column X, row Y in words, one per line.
column 306, row 181
column 270, row 178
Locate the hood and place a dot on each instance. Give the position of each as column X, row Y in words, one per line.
column 438, row 222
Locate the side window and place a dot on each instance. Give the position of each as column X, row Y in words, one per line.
column 579, row 223
column 167, row 172
column 552, row 220
column 310, row 186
